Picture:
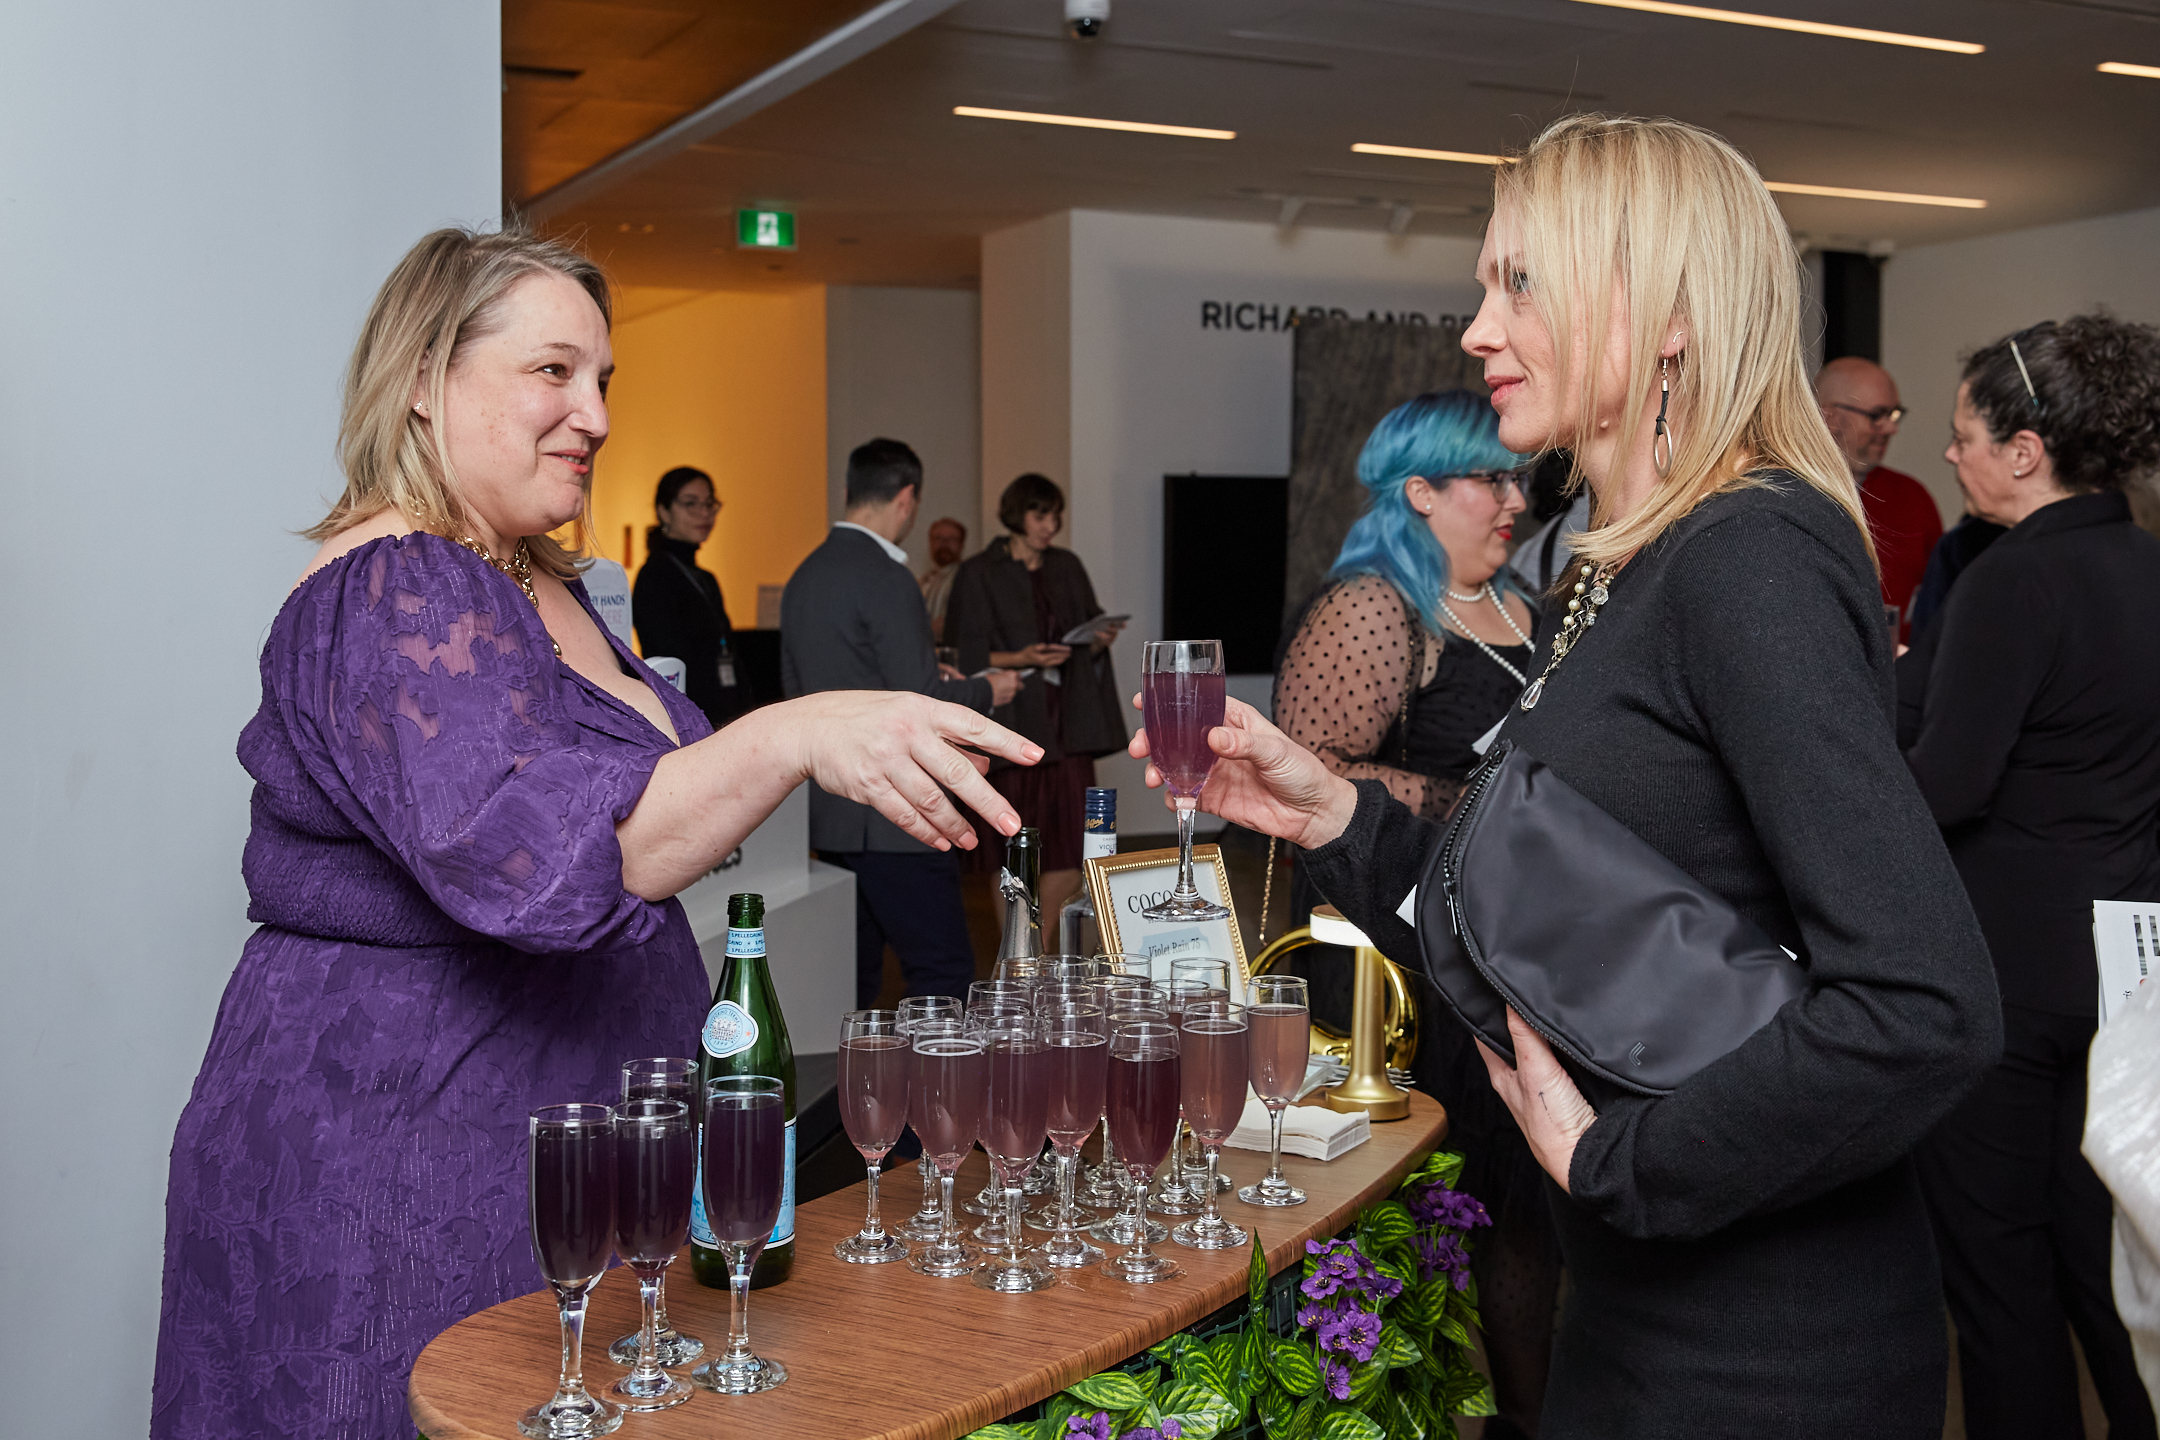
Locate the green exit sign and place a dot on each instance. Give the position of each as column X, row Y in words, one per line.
column 764, row 230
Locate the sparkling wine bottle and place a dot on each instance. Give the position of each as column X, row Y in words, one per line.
column 1078, row 932
column 745, row 1034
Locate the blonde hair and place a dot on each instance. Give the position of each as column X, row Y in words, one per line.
column 445, row 294
column 1676, row 221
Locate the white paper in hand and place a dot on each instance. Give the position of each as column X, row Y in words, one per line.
column 2126, row 942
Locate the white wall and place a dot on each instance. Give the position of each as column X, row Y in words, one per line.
column 904, row 363
column 196, row 205
column 1117, row 303
column 1940, row 301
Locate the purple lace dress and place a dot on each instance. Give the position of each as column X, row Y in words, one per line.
column 445, row 945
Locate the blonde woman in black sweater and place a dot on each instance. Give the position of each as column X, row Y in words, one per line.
column 1749, row 1254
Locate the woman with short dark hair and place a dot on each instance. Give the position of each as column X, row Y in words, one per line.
column 677, row 605
column 2038, row 749
column 1013, row 602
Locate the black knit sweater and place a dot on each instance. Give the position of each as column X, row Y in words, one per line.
column 1749, row 1255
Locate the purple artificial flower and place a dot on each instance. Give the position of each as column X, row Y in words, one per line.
column 1435, row 1204
column 1169, row 1431
column 1379, row 1286
column 1312, row 1316
column 1352, row 1332
column 1446, row 1254
column 1335, row 1376
column 1320, row 1284
column 1096, row 1427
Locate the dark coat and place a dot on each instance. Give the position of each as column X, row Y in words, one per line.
column 1750, row 1255
column 993, row 608
column 852, row 618
column 2038, row 745
column 677, row 609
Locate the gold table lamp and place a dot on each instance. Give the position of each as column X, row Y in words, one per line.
column 1368, row 1087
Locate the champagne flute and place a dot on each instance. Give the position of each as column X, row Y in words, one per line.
column 1279, row 1022
column 928, row 1222
column 874, row 1064
column 992, row 1003
column 1172, row 1194
column 1078, row 1039
column 1215, row 1065
column 1102, row 1185
column 661, row 1077
column 1141, row 1096
column 655, row 1168
column 570, row 1170
column 1016, row 1094
column 1182, row 692
column 1215, row 974
column 945, row 1105
column 1117, row 1228
column 745, row 1166
column 1012, row 992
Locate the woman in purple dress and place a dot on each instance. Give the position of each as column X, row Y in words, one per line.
column 471, row 810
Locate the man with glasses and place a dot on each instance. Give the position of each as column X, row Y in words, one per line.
column 1859, row 402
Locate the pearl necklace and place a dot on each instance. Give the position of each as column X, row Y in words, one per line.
column 1592, row 590
column 519, row 568
column 1486, row 593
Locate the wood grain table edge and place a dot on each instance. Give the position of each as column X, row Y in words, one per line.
column 440, row 1376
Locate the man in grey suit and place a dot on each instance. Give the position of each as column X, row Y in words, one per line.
column 852, row 618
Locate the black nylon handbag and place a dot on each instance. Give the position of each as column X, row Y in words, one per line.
column 1622, row 961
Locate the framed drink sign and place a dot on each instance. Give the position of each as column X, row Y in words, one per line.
column 1122, row 885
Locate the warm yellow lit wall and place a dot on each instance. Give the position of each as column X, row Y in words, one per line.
column 735, row 385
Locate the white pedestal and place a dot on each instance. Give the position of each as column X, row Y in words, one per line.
column 809, row 923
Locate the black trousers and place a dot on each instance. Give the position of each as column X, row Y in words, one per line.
column 2023, row 1226
column 912, row 902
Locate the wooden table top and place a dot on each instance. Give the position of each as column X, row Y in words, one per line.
column 878, row 1350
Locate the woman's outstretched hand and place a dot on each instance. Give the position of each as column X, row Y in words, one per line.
column 899, row 753
column 1542, row 1097
column 1266, row 781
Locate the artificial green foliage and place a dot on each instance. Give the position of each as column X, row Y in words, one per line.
column 1381, row 1349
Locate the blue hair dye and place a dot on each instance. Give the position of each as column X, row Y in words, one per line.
column 1448, row 432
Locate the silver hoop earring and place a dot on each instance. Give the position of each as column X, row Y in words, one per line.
column 1664, row 437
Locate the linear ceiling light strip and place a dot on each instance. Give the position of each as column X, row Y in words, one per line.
column 1460, row 157
column 1083, row 122
column 1897, row 197
column 2122, row 67
column 1780, row 22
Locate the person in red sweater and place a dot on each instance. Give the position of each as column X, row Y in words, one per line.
column 1859, row 401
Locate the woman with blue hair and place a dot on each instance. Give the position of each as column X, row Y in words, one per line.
column 1402, row 665
column 1417, row 643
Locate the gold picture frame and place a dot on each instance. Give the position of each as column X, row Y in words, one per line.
column 1121, row 884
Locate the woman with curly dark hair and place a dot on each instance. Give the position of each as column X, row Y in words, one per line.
column 2038, row 748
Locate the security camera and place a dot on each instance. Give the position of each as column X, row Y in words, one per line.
column 1085, row 19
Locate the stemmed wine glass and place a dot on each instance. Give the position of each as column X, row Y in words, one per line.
column 1216, row 1066
column 571, row 1171
column 662, row 1077
column 1141, row 1096
column 874, row 1064
column 1182, row 690
column 1279, row 1020
column 1215, row 974
column 945, row 1102
column 1128, row 1007
column 1016, row 1094
column 655, row 1168
column 1172, row 1194
column 926, row 1223
column 1122, row 985
column 992, row 1002
column 744, row 1168
column 1078, row 1038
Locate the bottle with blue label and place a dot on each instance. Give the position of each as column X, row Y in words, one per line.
column 745, row 1034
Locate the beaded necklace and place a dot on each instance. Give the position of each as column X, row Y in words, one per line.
column 1592, row 589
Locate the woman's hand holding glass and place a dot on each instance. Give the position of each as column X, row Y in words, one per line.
column 1265, row 781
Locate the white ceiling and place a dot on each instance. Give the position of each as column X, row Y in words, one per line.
column 892, row 188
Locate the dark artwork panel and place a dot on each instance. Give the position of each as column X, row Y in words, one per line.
column 1346, row 375
column 1223, row 545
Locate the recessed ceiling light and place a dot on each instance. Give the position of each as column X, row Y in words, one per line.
column 2118, row 67
column 1084, row 122
column 1461, row 157
column 1780, row 22
column 1900, row 197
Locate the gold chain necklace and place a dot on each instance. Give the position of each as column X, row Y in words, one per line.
column 1593, row 587
column 519, row 568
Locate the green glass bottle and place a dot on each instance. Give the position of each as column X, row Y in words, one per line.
column 745, row 1034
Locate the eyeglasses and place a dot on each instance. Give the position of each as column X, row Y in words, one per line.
column 697, row 507
column 1882, row 415
column 1498, row 481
